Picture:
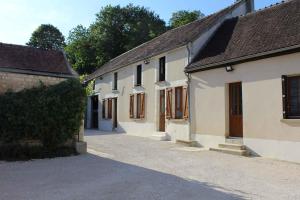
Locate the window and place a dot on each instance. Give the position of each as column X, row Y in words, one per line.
column 138, row 75
column 162, row 69
column 180, row 106
column 291, row 97
column 115, row 86
column 109, row 111
column 140, row 106
column 103, row 109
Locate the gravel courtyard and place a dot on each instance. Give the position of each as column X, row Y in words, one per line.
column 121, row 167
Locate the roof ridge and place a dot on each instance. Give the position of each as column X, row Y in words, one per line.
column 266, row 8
column 29, row 47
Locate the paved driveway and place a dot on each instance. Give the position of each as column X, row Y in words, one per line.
column 121, row 167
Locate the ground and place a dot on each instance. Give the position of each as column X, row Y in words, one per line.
column 121, row 167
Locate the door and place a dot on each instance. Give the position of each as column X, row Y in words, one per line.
column 162, row 111
column 115, row 117
column 94, row 111
column 236, row 110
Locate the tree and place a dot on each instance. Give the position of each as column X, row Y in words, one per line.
column 80, row 51
column 183, row 17
column 116, row 30
column 48, row 37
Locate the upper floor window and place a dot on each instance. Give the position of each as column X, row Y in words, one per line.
column 138, row 81
column 162, row 69
column 291, row 96
column 115, row 84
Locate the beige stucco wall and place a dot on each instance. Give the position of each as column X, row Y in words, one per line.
column 176, row 60
column 17, row 82
column 262, row 102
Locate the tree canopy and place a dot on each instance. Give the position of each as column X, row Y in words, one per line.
column 183, row 17
column 48, row 37
column 116, row 30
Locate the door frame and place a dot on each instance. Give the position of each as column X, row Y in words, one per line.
column 162, row 118
column 239, row 119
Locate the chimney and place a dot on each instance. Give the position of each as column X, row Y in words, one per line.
column 250, row 6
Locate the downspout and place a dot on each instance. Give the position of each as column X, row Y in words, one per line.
column 189, row 50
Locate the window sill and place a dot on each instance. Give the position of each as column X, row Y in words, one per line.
column 161, row 83
column 137, row 119
column 291, row 121
column 115, row 91
column 178, row 120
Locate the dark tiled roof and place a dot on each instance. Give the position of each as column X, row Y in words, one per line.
column 23, row 58
column 257, row 34
column 170, row 40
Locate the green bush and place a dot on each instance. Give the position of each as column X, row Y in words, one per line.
column 15, row 152
column 50, row 114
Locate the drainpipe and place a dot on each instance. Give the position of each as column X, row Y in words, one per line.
column 188, row 47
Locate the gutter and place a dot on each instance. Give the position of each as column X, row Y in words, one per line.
column 243, row 59
column 188, row 46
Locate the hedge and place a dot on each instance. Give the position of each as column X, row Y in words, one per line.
column 49, row 114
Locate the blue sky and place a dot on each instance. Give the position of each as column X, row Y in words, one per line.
column 19, row 18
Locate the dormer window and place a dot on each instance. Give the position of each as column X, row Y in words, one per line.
column 162, row 69
column 138, row 81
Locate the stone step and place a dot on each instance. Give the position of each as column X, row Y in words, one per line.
column 188, row 143
column 160, row 136
column 232, row 140
column 230, row 151
column 232, row 146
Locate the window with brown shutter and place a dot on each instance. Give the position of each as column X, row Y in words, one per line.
column 169, row 104
column 103, row 109
column 142, row 106
column 109, row 109
column 291, row 97
column 178, row 103
column 131, row 106
column 185, row 103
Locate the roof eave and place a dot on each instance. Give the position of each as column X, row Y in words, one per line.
column 234, row 61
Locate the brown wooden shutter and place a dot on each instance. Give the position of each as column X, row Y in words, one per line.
column 169, row 104
column 185, row 103
column 142, row 115
column 131, row 106
column 284, row 96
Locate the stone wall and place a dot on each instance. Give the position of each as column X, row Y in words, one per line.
column 17, row 82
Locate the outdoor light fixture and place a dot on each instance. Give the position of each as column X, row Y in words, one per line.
column 229, row 68
column 147, row 61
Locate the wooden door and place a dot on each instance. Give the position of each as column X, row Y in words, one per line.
column 236, row 110
column 115, row 117
column 162, row 111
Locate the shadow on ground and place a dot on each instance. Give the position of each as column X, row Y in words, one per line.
column 91, row 177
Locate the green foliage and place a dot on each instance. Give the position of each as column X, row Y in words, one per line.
column 183, row 17
column 48, row 37
column 89, row 88
column 50, row 114
column 15, row 152
column 115, row 31
column 80, row 50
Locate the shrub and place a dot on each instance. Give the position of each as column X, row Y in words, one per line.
column 50, row 114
